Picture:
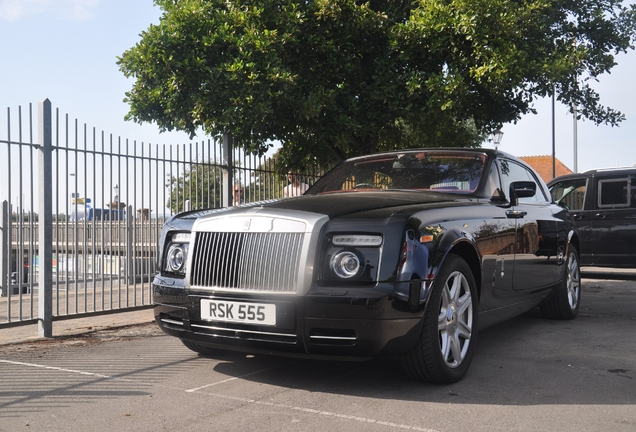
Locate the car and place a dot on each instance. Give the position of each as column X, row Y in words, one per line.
column 405, row 254
column 603, row 205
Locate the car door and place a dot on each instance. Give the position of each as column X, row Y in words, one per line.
column 536, row 243
column 576, row 195
column 614, row 220
column 496, row 238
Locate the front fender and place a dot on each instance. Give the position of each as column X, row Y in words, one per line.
column 423, row 254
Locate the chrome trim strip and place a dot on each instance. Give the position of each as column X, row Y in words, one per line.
column 344, row 338
column 221, row 336
column 173, row 322
column 256, row 332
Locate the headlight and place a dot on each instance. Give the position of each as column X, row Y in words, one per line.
column 345, row 264
column 177, row 253
column 351, row 258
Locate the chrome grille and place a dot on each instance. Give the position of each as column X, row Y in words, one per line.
column 247, row 261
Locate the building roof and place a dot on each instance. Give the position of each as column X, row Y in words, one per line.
column 543, row 166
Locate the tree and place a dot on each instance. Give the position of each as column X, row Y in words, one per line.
column 266, row 181
column 199, row 183
column 331, row 79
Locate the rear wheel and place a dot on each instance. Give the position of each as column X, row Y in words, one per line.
column 564, row 302
column 201, row 349
column 447, row 342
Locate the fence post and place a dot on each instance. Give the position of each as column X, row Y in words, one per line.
column 228, row 174
column 45, row 221
column 5, row 283
column 130, row 259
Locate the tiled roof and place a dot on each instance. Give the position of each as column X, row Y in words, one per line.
column 543, row 166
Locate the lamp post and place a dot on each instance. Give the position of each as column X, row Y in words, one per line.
column 496, row 138
column 553, row 134
column 575, row 139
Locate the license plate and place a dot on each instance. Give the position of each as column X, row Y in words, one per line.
column 238, row 312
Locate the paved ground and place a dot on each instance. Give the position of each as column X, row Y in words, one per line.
column 76, row 326
column 528, row 374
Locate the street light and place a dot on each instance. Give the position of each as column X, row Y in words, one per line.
column 496, row 138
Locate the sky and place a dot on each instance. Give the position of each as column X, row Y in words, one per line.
column 66, row 51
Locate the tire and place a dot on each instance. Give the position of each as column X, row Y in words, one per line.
column 201, row 349
column 449, row 332
column 564, row 302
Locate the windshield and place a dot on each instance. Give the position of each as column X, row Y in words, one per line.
column 454, row 172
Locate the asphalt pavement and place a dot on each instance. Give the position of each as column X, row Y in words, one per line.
column 122, row 373
column 75, row 326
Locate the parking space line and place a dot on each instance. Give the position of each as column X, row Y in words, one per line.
column 323, row 413
column 55, row 368
column 192, row 390
column 239, row 399
column 59, row 369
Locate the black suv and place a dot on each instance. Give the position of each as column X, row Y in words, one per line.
column 602, row 203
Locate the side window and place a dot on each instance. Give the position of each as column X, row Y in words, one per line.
column 615, row 192
column 570, row 193
column 512, row 172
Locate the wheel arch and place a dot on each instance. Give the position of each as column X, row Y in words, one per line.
column 467, row 251
column 573, row 239
column 427, row 266
column 462, row 244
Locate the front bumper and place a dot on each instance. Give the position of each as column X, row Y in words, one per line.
column 335, row 322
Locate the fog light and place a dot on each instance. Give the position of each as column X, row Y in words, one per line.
column 345, row 264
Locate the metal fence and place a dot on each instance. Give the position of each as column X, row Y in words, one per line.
column 81, row 211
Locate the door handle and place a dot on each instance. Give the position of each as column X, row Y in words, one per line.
column 601, row 215
column 514, row 214
column 577, row 216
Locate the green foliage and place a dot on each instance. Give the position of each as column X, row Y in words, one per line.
column 266, row 181
column 331, row 79
column 200, row 184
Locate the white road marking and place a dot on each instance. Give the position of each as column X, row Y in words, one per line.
column 74, row 371
column 238, row 399
column 323, row 413
column 233, row 378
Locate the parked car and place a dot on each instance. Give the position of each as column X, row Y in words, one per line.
column 405, row 253
column 603, row 205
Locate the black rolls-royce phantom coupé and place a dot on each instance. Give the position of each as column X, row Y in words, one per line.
column 405, row 253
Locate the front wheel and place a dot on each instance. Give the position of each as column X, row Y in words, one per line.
column 445, row 349
column 564, row 303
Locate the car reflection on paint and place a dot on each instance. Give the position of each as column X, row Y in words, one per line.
column 405, row 253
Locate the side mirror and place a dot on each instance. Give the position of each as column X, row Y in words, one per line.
column 521, row 189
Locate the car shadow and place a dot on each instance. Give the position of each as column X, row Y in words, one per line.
column 528, row 360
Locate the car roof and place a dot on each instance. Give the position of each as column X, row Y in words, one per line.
column 591, row 172
column 615, row 169
column 484, row 151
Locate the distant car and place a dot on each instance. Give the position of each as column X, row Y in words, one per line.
column 603, row 205
column 405, row 253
